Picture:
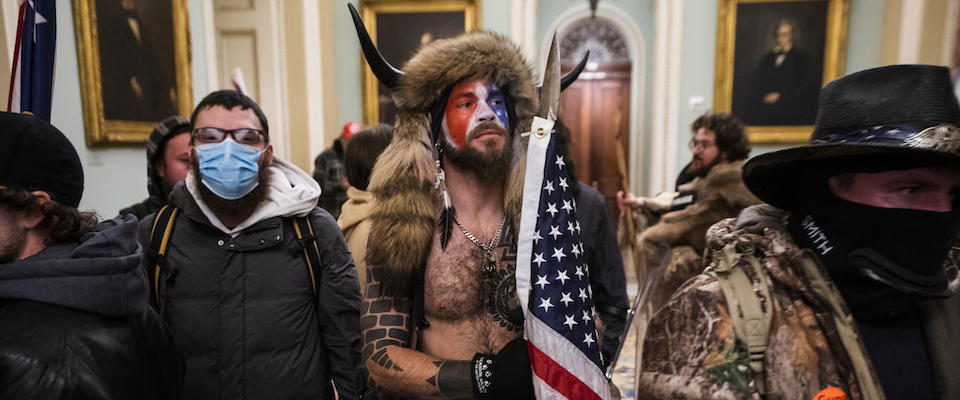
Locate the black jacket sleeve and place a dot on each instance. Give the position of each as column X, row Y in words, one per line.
column 606, row 268
column 339, row 307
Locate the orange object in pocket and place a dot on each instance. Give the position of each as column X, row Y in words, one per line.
column 830, row 393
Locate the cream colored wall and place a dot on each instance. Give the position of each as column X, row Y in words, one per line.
column 919, row 31
column 285, row 50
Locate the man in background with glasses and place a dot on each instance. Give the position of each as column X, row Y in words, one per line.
column 714, row 191
column 254, row 280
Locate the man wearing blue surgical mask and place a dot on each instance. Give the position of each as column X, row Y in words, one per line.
column 254, row 280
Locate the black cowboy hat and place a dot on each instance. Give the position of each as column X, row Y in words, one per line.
column 893, row 117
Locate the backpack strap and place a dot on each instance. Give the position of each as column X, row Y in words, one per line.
column 303, row 229
column 163, row 222
column 749, row 305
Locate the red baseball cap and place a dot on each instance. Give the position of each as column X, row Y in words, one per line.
column 350, row 128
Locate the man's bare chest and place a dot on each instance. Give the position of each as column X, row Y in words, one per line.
column 461, row 285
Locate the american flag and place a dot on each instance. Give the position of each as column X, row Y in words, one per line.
column 31, row 78
column 553, row 280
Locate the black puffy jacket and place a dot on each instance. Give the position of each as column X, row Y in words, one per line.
column 74, row 324
column 243, row 314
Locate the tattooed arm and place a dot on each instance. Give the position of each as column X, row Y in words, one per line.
column 393, row 367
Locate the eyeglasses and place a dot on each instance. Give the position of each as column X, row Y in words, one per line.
column 247, row 136
column 703, row 144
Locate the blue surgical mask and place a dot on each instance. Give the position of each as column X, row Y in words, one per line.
column 229, row 169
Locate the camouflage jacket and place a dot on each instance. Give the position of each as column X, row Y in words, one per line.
column 691, row 352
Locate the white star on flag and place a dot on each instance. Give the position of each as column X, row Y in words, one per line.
column 558, row 254
column 542, row 281
column 588, row 339
column 536, row 236
column 538, row 259
column 576, row 250
column 560, row 162
column 567, row 206
column 583, row 295
column 578, row 226
column 545, row 303
column 37, row 19
column 563, row 184
column 562, row 277
column 549, row 187
column 570, row 227
column 566, row 299
column 579, row 273
column 586, row 315
column 552, row 209
column 569, row 321
column 554, row 231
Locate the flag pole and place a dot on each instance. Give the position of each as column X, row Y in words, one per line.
column 14, row 69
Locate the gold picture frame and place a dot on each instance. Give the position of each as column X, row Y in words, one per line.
column 399, row 18
column 134, row 58
column 737, row 88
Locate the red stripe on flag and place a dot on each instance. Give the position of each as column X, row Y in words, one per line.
column 558, row 377
column 15, row 71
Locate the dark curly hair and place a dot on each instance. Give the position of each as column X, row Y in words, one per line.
column 64, row 223
column 728, row 129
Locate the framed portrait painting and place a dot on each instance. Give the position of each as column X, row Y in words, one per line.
column 401, row 27
column 772, row 59
column 134, row 66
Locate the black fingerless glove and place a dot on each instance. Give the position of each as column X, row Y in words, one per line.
column 505, row 375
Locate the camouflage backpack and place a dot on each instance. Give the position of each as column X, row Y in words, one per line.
column 749, row 308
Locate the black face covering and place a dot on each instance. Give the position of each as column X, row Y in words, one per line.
column 883, row 260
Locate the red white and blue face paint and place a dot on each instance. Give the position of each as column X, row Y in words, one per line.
column 475, row 109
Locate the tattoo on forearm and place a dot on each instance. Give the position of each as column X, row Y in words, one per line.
column 383, row 360
column 382, row 325
column 452, row 379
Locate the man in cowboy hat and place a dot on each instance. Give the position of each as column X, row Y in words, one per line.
column 848, row 291
column 441, row 317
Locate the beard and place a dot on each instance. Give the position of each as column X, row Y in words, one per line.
column 703, row 168
column 13, row 240
column 246, row 204
column 490, row 165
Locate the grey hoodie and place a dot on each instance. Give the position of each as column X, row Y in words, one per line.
column 100, row 274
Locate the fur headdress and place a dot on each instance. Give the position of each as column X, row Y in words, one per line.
column 402, row 181
column 404, row 177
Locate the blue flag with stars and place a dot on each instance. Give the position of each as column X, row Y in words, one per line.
column 31, row 88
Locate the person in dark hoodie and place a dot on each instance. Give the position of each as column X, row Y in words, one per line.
column 74, row 319
column 168, row 160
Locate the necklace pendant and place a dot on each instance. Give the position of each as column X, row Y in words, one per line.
column 489, row 265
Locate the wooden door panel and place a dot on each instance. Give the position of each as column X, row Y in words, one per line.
column 596, row 112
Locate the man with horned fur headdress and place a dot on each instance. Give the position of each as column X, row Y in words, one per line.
column 441, row 317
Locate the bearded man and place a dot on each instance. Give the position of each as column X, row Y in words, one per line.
column 716, row 191
column 255, row 314
column 440, row 316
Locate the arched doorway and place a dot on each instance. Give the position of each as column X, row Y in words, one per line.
column 595, row 108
